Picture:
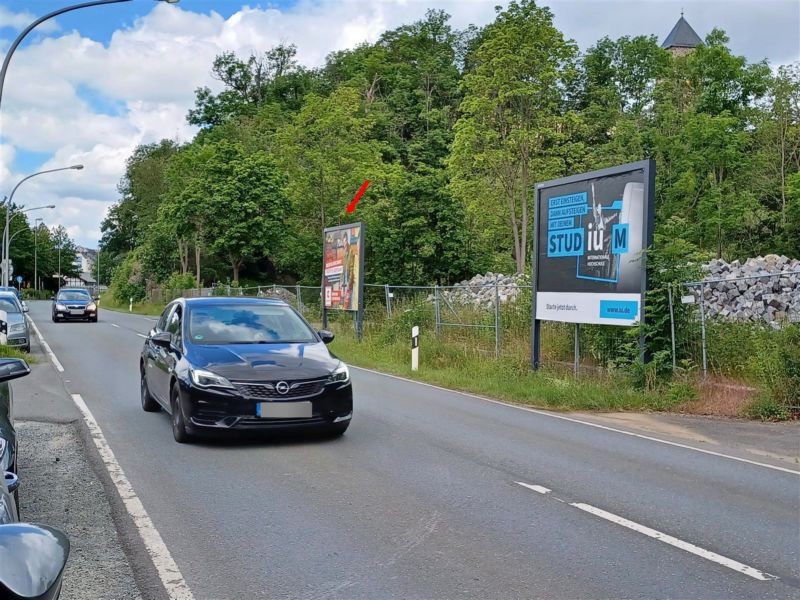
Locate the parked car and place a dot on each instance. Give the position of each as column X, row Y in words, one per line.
column 8, row 498
column 10, row 368
column 18, row 334
column 217, row 364
column 74, row 304
column 16, row 291
column 32, row 561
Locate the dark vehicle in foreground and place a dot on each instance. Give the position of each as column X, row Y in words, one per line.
column 17, row 334
column 10, row 368
column 32, row 561
column 221, row 364
column 74, row 304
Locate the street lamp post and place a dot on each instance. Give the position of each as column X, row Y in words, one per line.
column 36, row 253
column 10, row 203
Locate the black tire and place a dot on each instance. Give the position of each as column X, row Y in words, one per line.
column 94, row 320
column 55, row 320
column 337, row 429
column 16, row 503
column 178, row 424
column 149, row 403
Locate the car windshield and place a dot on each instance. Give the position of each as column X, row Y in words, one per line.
column 76, row 295
column 247, row 324
column 8, row 305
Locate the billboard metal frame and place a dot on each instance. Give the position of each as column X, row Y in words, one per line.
column 359, row 312
column 648, row 166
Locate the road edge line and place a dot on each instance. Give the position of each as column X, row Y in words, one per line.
column 168, row 571
column 56, row 363
column 588, row 423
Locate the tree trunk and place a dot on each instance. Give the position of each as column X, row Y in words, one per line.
column 524, row 224
column 197, row 250
column 235, row 265
column 183, row 253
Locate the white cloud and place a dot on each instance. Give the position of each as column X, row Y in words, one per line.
column 20, row 20
column 148, row 71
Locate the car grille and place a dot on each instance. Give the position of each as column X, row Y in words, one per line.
column 297, row 389
column 76, row 307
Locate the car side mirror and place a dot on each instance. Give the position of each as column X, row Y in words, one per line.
column 52, row 298
column 12, row 481
column 326, row 336
column 25, row 307
column 33, row 562
column 162, row 339
column 13, row 368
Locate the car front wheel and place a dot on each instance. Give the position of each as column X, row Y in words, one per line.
column 178, row 424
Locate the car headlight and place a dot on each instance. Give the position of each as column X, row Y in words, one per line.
column 60, row 307
column 340, row 374
column 206, row 379
column 91, row 306
column 16, row 328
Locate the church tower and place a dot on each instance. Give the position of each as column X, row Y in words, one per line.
column 682, row 39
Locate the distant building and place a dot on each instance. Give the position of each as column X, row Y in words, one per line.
column 85, row 259
column 682, row 39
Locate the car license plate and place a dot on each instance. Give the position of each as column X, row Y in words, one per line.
column 76, row 311
column 284, row 410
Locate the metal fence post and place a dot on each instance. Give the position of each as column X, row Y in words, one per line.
column 496, row 319
column 703, row 327
column 436, row 308
column 388, row 301
column 672, row 325
column 577, row 357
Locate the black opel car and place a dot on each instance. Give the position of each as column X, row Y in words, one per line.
column 221, row 364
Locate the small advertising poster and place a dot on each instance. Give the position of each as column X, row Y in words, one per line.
column 591, row 230
column 343, row 267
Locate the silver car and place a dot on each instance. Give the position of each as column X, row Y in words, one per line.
column 18, row 334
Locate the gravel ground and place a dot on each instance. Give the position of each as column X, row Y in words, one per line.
column 60, row 488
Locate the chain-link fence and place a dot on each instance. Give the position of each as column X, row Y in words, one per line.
column 716, row 322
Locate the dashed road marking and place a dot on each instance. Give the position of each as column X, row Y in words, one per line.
column 658, row 535
column 536, row 488
column 141, row 335
column 677, row 543
column 115, row 325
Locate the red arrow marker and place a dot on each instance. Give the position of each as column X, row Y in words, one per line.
column 352, row 206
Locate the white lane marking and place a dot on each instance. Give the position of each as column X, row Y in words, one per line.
column 46, row 346
column 141, row 335
column 673, row 541
column 536, row 488
column 115, row 325
column 588, row 423
column 168, row 571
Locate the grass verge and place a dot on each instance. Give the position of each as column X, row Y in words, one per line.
column 11, row 352
column 139, row 308
column 504, row 379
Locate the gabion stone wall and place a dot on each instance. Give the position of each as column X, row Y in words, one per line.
column 772, row 298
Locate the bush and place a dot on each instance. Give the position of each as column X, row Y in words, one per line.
column 176, row 281
column 775, row 360
column 128, row 280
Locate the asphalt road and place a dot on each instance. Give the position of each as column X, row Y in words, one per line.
column 420, row 499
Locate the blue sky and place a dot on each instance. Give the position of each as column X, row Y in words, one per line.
column 99, row 81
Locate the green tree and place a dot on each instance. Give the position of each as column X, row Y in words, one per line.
column 513, row 130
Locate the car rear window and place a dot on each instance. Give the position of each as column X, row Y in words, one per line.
column 247, row 324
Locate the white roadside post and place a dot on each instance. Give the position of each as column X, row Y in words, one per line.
column 415, row 348
column 130, row 306
column 3, row 327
